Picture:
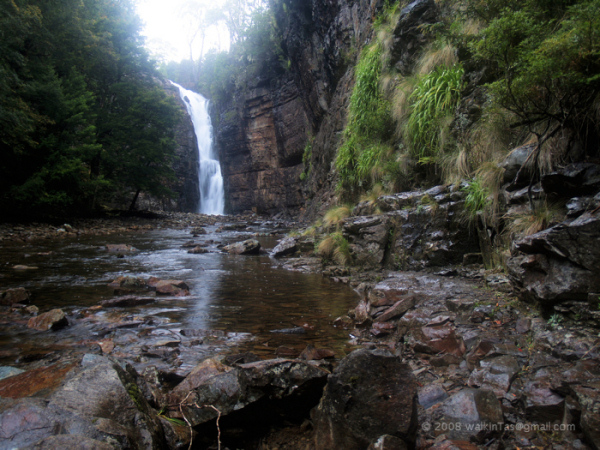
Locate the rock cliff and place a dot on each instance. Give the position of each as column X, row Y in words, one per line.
column 263, row 133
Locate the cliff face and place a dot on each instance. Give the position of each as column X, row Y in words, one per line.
column 262, row 134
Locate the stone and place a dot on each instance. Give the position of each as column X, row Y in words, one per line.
column 371, row 393
column 542, row 404
column 198, row 250
column 495, row 374
column 559, row 263
column 126, row 281
column 126, row 301
column 70, row 442
column 175, row 288
column 51, row 320
column 470, row 414
column 437, row 339
column 198, row 231
column 247, row 247
column 574, row 180
column 315, row 354
column 7, row 371
column 35, row 381
column 16, row 295
column 285, row 247
column 514, row 161
column 120, row 248
column 588, row 396
column 397, row 309
column 229, row 389
column 431, row 395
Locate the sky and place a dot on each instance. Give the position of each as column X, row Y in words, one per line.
column 168, row 30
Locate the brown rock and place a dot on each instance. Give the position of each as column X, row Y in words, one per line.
column 51, row 320
column 172, row 287
column 16, row 295
column 35, row 380
column 312, row 353
column 120, row 248
column 398, row 309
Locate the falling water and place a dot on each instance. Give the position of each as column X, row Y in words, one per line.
column 209, row 170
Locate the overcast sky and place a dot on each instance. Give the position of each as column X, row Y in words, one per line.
column 168, row 30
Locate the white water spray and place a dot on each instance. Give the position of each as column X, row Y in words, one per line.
column 209, row 170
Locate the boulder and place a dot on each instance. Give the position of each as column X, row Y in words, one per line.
column 16, row 295
column 574, row 180
column 175, row 288
column 514, row 161
column 370, row 394
column 51, row 320
column 559, row 263
column 213, row 388
column 126, row 301
column 285, row 247
column 471, row 414
column 97, row 404
column 247, row 247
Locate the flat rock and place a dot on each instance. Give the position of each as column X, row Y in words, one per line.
column 126, row 301
column 247, row 247
column 285, row 247
column 51, row 320
column 471, row 414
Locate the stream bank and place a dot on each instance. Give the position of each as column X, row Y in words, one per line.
column 449, row 358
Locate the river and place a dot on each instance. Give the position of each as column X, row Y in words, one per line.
column 236, row 303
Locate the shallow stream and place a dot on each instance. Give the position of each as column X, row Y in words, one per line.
column 236, row 303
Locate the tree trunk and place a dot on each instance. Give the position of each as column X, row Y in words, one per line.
column 134, row 201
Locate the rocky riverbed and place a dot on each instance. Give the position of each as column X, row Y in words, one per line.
column 446, row 357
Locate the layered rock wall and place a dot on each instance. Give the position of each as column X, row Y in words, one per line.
column 262, row 134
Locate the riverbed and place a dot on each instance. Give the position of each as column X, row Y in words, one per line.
column 236, row 303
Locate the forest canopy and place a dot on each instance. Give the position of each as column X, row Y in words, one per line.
column 83, row 119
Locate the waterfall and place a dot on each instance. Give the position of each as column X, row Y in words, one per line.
column 209, row 169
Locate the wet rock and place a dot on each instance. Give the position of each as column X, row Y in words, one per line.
column 560, row 263
column 24, row 267
column 286, row 352
column 197, row 250
column 7, row 371
column 120, row 248
column 16, row 295
column 437, row 339
column 310, row 353
column 542, row 404
column 71, row 442
column 471, row 414
column 574, row 180
column 495, row 374
column 588, row 396
column 35, row 381
column 175, row 288
column 431, row 395
column 198, row 231
column 370, row 394
column 247, row 247
column 285, row 247
column 397, row 309
column 51, row 320
column 513, row 162
column 214, row 385
column 126, row 301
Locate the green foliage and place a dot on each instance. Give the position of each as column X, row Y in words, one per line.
column 336, row 248
column 307, row 159
column 434, row 97
column 364, row 145
column 477, row 199
column 65, row 119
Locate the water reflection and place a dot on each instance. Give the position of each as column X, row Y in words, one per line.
column 233, row 294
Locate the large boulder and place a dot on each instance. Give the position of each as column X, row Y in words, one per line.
column 370, row 394
column 98, row 402
column 285, row 247
column 213, row 388
column 559, row 263
column 247, row 247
